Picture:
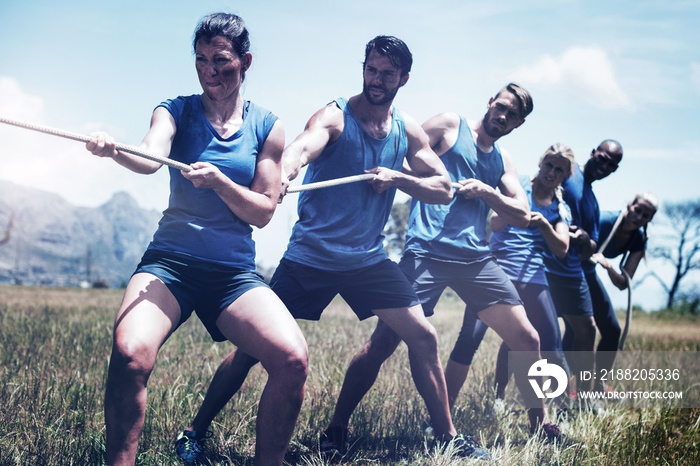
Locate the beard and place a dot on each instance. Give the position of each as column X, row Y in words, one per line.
column 388, row 97
column 492, row 129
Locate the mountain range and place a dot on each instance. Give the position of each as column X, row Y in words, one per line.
column 54, row 243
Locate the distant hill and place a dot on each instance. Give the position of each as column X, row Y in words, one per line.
column 55, row 243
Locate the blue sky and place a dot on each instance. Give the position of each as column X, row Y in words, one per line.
column 628, row 70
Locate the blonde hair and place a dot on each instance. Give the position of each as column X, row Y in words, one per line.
column 653, row 201
column 563, row 152
column 649, row 198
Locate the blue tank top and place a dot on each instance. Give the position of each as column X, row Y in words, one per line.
column 520, row 251
column 636, row 242
column 340, row 228
column 585, row 213
column 456, row 232
column 197, row 223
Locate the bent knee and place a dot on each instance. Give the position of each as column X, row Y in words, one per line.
column 529, row 339
column 291, row 364
column 383, row 347
column 425, row 341
column 133, row 356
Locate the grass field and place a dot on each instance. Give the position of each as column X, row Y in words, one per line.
column 54, row 348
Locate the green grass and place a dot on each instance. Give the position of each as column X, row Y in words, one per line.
column 54, row 348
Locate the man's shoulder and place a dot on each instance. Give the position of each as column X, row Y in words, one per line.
column 331, row 114
column 443, row 123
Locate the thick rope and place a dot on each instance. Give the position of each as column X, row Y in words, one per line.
column 329, row 183
column 338, row 181
column 628, row 316
column 80, row 137
column 601, row 249
column 615, row 226
column 175, row 164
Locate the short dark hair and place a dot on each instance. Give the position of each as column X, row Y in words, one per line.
column 614, row 145
column 523, row 97
column 227, row 25
column 392, row 47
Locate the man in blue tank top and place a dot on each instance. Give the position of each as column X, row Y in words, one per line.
column 567, row 284
column 336, row 245
column 446, row 246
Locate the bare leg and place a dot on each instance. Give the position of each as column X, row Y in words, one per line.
column 455, row 376
column 420, row 337
column 363, row 372
column 227, row 380
column 147, row 315
column 470, row 336
column 512, row 325
column 260, row 325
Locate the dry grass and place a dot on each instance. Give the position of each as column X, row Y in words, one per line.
column 54, row 345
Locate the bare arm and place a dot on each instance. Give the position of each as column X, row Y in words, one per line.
column 254, row 205
column 582, row 239
column 323, row 127
column 496, row 222
column 630, row 266
column 510, row 203
column 556, row 237
column 424, row 176
column 157, row 141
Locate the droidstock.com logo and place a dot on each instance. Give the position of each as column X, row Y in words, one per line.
column 543, row 372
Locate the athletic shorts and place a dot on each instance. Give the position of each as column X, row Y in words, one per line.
column 205, row 287
column 307, row 291
column 479, row 284
column 571, row 295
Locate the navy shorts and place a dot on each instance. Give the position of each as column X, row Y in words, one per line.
column 307, row 291
column 479, row 284
column 571, row 295
column 205, row 287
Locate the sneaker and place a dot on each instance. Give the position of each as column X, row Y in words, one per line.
column 334, row 441
column 188, row 447
column 551, row 433
column 465, row 446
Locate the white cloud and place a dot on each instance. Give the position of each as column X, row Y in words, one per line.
column 695, row 75
column 16, row 104
column 61, row 166
column 585, row 71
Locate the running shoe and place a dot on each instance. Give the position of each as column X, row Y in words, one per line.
column 188, row 447
column 465, row 446
column 551, row 433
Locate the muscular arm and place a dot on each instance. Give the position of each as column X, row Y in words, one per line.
column 424, row 176
column 510, row 204
column 325, row 126
column 157, row 141
column 556, row 237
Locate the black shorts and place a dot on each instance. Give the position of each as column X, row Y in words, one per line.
column 205, row 287
column 479, row 284
column 307, row 291
column 571, row 295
